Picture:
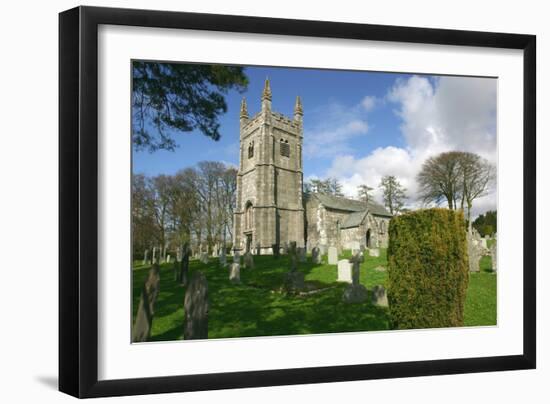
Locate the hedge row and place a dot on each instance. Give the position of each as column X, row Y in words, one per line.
column 427, row 269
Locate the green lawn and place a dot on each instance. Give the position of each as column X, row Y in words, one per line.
column 258, row 307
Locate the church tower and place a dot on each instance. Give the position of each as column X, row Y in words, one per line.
column 269, row 210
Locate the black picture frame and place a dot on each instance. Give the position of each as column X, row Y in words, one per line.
column 78, row 201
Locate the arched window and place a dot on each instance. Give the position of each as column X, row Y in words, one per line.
column 285, row 148
column 251, row 150
column 248, row 220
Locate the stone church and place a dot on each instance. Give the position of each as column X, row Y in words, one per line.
column 271, row 208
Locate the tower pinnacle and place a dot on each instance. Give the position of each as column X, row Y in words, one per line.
column 266, row 95
column 244, row 110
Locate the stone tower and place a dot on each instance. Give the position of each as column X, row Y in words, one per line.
column 269, row 210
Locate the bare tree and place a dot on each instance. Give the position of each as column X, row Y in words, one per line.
column 477, row 176
column 393, row 194
column 439, row 179
column 328, row 186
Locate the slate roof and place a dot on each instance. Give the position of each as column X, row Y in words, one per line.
column 351, row 205
column 353, row 219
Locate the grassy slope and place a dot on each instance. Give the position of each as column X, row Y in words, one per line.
column 256, row 307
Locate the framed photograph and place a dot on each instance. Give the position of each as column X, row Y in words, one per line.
column 251, row 201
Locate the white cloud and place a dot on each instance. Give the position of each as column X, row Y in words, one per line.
column 369, row 102
column 337, row 125
column 448, row 113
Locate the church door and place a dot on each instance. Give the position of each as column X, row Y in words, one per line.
column 368, row 238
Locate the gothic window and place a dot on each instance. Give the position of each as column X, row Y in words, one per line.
column 285, row 148
column 248, row 215
column 251, row 150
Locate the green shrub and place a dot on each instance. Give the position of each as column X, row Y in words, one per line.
column 427, row 269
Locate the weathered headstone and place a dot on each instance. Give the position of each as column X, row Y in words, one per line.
column 344, row 271
column 332, row 256
column 235, row 272
column 374, row 252
column 483, row 243
column 316, row 255
column 379, row 296
column 301, row 251
column 248, row 260
column 494, row 257
column 168, row 258
column 355, row 247
column 146, row 309
column 355, row 293
column 196, row 308
column 145, row 257
column 323, row 249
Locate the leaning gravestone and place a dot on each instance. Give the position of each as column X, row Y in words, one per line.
column 355, row 293
column 374, row 252
column 379, row 296
column 196, row 308
column 332, row 256
column 248, row 261
column 294, row 280
column 344, row 271
column 494, row 257
column 316, row 255
column 146, row 309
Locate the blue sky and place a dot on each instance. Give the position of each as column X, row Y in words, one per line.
column 358, row 126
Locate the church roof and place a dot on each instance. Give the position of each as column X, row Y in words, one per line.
column 351, row 205
column 353, row 219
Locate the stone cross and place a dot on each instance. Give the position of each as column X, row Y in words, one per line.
column 356, row 261
column 146, row 309
column 332, row 255
column 196, row 308
column 354, row 293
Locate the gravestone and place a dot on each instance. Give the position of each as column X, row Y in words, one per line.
column 323, row 249
column 379, row 296
column 355, row 293
column 344, row 271
column 235, row 272
column 196, row 308
column 248, row 261
column 145, row 257
column 168, row 258
column 284, row 248
column 301, row 251
column 258, row 249
column 316, row 255
column 494, row 257
column 374, row 252
column 484, row 243
column 332, row 256
column 294, row 280
column 355, row 247
column 204, row 257
column 146, row 309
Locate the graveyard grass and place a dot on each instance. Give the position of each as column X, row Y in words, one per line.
column 258, row 307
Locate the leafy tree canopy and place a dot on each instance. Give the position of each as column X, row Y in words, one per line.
column 176, row 97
